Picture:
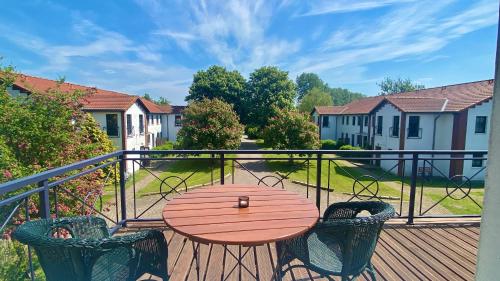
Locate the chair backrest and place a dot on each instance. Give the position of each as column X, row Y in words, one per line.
column 360, row 233
column 62, row 259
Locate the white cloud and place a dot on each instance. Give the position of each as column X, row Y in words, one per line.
column 344, row 6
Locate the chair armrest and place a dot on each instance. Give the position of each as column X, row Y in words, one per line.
column 341, row 210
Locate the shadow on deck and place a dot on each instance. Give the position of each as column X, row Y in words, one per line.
column 425, row 251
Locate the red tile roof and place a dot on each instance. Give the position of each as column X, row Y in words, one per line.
column 172, row 109
column 98, row 99
column 329, row 110
column 450, row 98
column 458, row 97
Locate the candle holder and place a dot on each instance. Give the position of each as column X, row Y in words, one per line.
column 243, row 201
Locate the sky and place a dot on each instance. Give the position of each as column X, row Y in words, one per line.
column 155, row 47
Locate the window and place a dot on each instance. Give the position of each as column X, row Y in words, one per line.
column 395, row 126
column 352, row 137
column 359, row 140
column 365, row 141
column 158, row 119
column 480, row 125
column 112, row 125
column 326, row 122
column 141, row 124
column 178, row 119
column 342, row 136
column 354, row 120
column 379, row 124
column 477, row 163
column 366, row 121
column 343, row 117
column 360, row 120
column 414, row 127
column 129, row 124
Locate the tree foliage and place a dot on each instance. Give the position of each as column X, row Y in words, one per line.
column 267, row 89
column 395, row 86
column 308, row 81
column 218, row 82
column 210, row 124
column 290, row 129
column 47, row 130
column 342, row 96
column 314, row 98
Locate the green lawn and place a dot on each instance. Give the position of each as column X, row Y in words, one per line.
column 341, row 177
column 109, row 190
column 183, row 169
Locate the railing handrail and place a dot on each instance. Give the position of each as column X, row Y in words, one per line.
column 310, row 151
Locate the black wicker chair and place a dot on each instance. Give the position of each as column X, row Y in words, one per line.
column 91, row 253
column 342, row 244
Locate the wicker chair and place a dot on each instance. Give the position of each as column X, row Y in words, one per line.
column 91, row 253
column 342, row 244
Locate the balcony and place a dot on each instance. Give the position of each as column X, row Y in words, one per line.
column 433, row 236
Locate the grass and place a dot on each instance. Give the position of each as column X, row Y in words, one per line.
column 109, row 190
column 183, row 169
column 341, row 177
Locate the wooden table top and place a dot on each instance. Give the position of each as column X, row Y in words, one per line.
column 210, row 215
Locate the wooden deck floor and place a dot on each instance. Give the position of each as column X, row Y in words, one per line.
column 443, row 251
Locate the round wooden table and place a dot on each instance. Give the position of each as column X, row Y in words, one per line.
column 211, row 215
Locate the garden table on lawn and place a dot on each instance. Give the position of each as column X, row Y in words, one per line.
column 210, row 215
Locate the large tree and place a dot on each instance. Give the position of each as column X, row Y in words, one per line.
column 395, row 86
column 268, row 88
column 218, row 82
column 313, row 98
column 290, row 129
column 210, row 124
column 306, row 82
column 342, row 96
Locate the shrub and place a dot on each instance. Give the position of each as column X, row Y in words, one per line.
column 328, row 144
column 210, row 124
column 168, row 145
column 348, row 152
column 253, row 132
column 290, row 129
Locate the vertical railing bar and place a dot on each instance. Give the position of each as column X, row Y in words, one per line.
column 413, row 187
column 328, row 186
column 232, row 172
column 30, row 259
column 212, row 169
column 401, row 196
column 318, row 180
column 56, row 204
column 422, row 191
column 123, row 199
column 44, row 199
column 222, row 168
column 133, row 184
column 116, row 193
column 307, row 185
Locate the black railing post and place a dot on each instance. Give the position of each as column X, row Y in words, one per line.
column 222, row 168
column 318, row 181
column 44, row 199
column 413, row 188
column 123, row 198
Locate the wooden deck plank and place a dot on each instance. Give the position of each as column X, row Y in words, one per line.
column 427, row 252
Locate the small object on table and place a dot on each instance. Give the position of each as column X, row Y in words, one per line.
column 243, row 201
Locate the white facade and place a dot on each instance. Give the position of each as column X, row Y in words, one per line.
column 154, row 122
column 135, row 139
column 101, row 116
column 353, row 128
column 170, row 127
column 477, row 140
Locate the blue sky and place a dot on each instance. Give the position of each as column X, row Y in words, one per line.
column 155, row 46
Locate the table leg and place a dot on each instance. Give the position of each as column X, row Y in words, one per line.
column 223, row 263
column 208, row 261
column 196, row 256
column 257, row 278
column 239, row 262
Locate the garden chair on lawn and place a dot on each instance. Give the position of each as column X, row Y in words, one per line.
column 88, row 252
column 340, row 245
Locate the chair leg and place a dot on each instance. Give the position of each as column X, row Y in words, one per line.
column 371, row 272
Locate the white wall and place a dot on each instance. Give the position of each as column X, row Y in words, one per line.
column 475, row 141
column 330, row 132
column 135, row 140
column 385, row 141
column 348, row 129
column 154, row 128
column 169, row 130
column 100, row 117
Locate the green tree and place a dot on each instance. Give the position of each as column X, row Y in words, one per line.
column 210, row 124
column 313, row 98
column 162, row 101
column 290, row 129
column 395, row 86
column 217, row 82
column 268, row 88
column 148, row 97
column 306, row 82
column 342, row 96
